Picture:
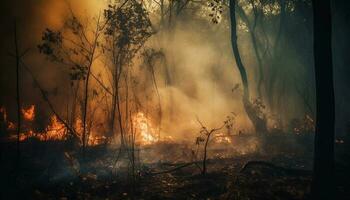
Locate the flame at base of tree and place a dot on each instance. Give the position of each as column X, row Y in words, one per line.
column 145, row 133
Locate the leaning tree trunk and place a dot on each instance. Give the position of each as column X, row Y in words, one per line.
column 258, row 122
column 86, row 97
column 323, row 181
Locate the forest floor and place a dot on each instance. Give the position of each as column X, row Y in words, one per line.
column 260, row 176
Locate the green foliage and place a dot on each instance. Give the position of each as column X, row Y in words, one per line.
column 128, row 27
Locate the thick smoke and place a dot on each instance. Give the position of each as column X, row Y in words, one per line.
column 198, row 56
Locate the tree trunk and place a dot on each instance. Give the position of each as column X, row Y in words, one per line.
column 204, row 162
column 118, row 62
column 276, row 56
column 86, row 92
column 258, row 122
column 86, row 98
column 323, row 181
column 112, row 116
column 18, row 94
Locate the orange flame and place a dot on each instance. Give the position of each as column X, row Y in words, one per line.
column 55, row 130
column 29, row 113
column 11, row 126
column 222, row 138
column 144, row 130
column 4, row 113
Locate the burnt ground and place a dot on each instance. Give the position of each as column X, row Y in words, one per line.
column 48, row 172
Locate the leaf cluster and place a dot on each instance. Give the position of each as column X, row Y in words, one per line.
column 215, row 10
column 70, row 46
column 128, row 27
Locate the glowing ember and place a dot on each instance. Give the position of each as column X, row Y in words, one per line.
column 96, row 140
column 4, row 113
column 222, row 138
column 11, row 126
column 29, row 114
column 144, row 130
column 55, row 130
column 25, row 136
column 3, row 117
column 78, row 127
column 93, row 139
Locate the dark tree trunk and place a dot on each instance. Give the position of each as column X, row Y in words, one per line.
column 258, row 122
column 86, row 89
column 323, row 181
column 114, row 100
column 204, row 162
column 86, row 100
column 17, row 94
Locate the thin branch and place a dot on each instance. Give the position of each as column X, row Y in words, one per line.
column 174, row 169
column 101, row 84
column 45, row 97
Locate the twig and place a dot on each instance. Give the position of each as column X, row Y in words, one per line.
column 174, row 169
column 45, row 97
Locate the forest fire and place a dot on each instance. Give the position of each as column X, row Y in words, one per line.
column 222, row 138
column 144, row 129
column 175, row 99
column 29, row 113
column 57, row 131
column 54, row 131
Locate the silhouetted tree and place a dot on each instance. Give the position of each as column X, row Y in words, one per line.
column 256, row 117
column 127, row 29
column 323, row 175
column 17, row 57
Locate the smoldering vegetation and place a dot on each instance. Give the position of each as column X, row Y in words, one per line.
column 143, row 100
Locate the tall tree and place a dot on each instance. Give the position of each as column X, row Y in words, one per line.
column 17, row 56
column 127, row 29
column 257, row 118
column 323, row 181
column 91, row 58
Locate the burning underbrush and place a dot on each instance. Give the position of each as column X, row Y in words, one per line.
column 56, row 129
column 154, row 163
column 149, row 145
